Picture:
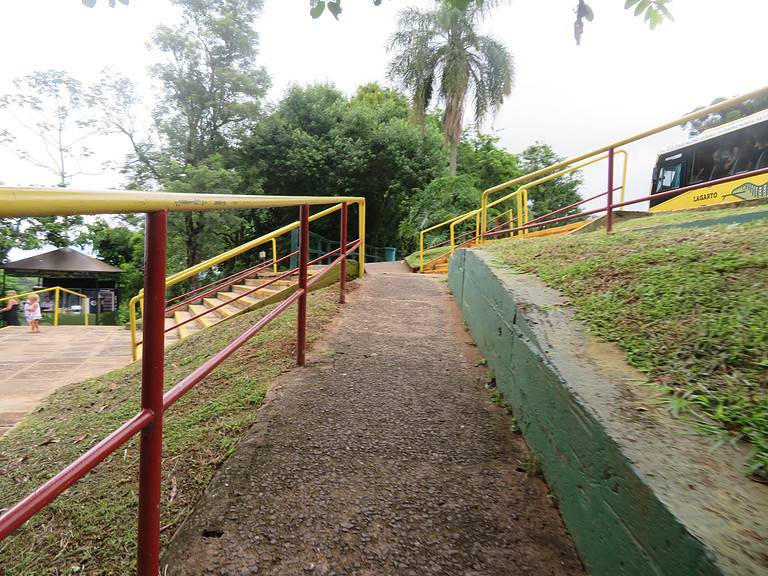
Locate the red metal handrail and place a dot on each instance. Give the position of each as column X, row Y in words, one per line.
column 208, row 366
column 148, row 421
column 252, row 270
column 252, row 290
column 608, row 209
column 214, row 287
column 447, row 254
column 462, row 235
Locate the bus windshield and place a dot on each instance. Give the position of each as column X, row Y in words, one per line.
column 669, row 177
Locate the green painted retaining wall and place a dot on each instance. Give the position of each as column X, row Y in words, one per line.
column 618, row 520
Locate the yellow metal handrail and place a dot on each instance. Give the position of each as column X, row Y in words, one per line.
column 522, row 207
column 618, row 144
column 243, row 248
column 422, row 233
column 522, row 192
column 57, row 292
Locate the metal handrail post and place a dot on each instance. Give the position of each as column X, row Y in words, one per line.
column 274, row 255
column 151, row 450
column 343, row 267
column 87, row 308
column 609, row 211
column 421, row 251
column 301, row 331
column 56, row 299
column 624, row 173
column 361, row 236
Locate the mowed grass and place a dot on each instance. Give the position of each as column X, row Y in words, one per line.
column 689, row 306
column 91, row 528
column 414, row 259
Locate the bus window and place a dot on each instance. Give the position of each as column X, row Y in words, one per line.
column 669, row 177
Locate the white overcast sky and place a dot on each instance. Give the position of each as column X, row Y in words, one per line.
column 621, row 80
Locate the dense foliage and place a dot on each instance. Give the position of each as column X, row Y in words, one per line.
column 317, row 142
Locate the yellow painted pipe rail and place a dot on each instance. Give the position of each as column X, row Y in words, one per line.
column 464, row 218
column 522, row 206
column 522, row 192
column 243, row 248
column 57, row 290
column 430, row 229
column 20, row 202
column 619, row 143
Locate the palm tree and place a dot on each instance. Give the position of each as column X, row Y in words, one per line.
column 439, row 55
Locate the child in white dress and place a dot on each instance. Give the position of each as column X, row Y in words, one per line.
column 32, row 313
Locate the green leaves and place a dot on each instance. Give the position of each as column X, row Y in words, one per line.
column 655, row 11
column 334, row 8
column 317, row 7
column 112, row 3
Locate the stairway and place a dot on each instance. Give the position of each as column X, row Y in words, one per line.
column 226, row 293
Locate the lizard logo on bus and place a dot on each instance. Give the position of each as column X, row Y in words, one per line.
column 749, row 191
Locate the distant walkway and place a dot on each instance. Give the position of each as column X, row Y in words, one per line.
column 384, row 456
column 34, row 365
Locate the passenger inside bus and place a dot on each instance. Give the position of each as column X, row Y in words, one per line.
column 740, row 152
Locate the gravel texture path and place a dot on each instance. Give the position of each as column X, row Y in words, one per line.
column 383, row 456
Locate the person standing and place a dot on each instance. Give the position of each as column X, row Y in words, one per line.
column 32, row 313
column 10, row 314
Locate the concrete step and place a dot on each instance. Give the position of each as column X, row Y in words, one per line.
column 171, row 334
column 241, row 302
column 251, row 282
column 187, row 329
column 224, row 311
column 209, row 319
column 261, row 292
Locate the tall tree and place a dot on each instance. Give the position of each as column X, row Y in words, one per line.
column 212, row 89
column 440, row 55
column 35, row 233
column 481, row 157
column 50, row 124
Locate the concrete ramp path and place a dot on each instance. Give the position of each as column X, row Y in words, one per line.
column 383, row 456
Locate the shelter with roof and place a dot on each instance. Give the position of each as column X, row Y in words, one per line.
column 68, row 268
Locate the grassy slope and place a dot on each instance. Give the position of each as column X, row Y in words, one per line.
column 91, row 529
column 431, row 254
column 689, row 306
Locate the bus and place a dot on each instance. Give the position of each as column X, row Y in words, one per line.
column 738, row 147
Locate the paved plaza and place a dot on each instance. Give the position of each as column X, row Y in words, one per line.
column 34, row 365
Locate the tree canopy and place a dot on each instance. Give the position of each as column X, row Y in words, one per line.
column 746, row 108
column 318, row 142
column 440, row 55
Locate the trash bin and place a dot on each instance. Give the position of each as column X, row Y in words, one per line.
column 390, row 254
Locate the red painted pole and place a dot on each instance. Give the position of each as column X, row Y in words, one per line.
column 151, row 452
column 301, row 332
column 609, row 212
column 343, row 267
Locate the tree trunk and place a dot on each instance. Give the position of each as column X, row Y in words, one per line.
column 454, row 153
